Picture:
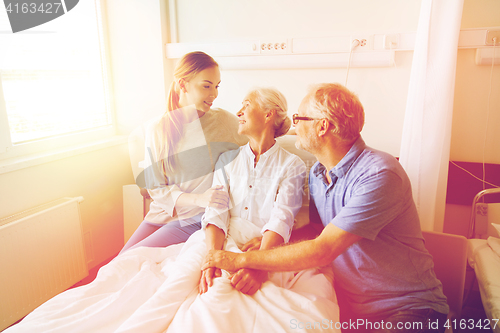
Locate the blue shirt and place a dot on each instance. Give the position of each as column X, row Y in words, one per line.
column 389, row 269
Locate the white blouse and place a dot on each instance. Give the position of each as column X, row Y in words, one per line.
column 269, row 194
column 197, row 151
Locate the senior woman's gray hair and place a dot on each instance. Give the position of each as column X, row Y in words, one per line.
column 271, row 99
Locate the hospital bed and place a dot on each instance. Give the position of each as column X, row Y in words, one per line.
column 483, row 256
column 156, row 290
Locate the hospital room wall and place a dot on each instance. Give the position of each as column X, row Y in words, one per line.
column 472, row 89
column 383, row 91
column 142, row 75
column 98, row 176
column 137, row 28
column 137, row 93
column 476, row 111
column 384, row 99
column 471, row 112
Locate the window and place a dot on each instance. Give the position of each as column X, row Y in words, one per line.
column 53, row 82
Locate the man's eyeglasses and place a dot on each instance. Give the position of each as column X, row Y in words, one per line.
column 296, row 118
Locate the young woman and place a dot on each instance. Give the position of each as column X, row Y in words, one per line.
column 181, row 150
column 264, row 183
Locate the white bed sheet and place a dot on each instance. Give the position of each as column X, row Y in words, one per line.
column 486, row 264
column 156, row 290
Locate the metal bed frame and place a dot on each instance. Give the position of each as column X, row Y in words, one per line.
column 472, row 223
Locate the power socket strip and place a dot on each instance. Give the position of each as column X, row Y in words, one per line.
column 276, row 46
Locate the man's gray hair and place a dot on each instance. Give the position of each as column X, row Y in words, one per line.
column 340, row 107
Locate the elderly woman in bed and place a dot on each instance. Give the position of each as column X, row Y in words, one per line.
column 264, row 183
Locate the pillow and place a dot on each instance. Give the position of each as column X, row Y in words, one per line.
column 287, row 142
column 494, row 244
column 497, row 228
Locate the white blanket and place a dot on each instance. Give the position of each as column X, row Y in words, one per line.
column 156, row 290
column 486, row 264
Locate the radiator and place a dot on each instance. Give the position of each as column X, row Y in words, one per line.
column 41, row 255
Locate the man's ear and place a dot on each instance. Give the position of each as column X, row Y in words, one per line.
column 323, row 127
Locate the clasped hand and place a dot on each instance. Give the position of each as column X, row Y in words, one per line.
column 246, row 280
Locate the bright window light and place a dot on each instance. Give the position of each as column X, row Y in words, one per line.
column 53, row 76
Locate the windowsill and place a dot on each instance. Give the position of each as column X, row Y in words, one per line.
column 26, row 161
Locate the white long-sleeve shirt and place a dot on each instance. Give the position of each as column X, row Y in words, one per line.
column 269, row 194
column 197, row 151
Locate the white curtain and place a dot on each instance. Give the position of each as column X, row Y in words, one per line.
column 425, row 145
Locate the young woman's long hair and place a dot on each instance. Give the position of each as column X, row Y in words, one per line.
column 172, row 124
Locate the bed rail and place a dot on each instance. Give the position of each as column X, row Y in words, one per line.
column 472, row 223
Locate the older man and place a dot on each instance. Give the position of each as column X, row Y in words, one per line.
column 362, row 197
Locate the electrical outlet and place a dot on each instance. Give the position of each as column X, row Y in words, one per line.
column 490, row 34
column 391, row 41
column 364, row 42
column 276, row 46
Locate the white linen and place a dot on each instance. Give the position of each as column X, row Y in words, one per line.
column 494, row 244
column 486, row 264
column 156, row 290
column 474, row 246
column 497, row 228
column 269, row 194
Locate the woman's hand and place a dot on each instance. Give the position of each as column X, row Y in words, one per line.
column 213, row 197
column 207, row 277
column 248, row 281
column 253, row 244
